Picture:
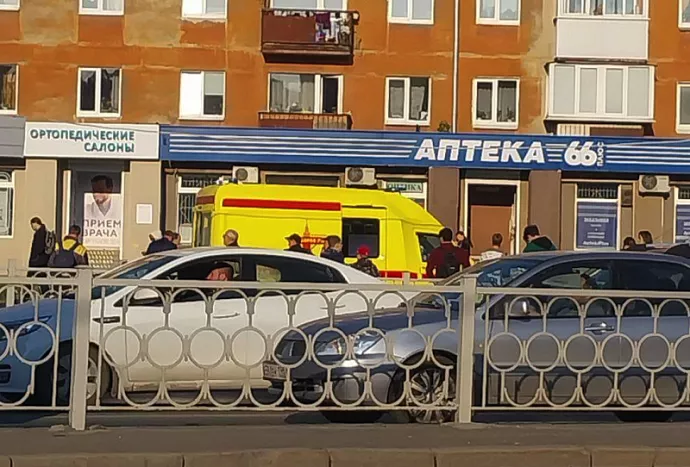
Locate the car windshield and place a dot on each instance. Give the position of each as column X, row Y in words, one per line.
column 500, row 272
column 133, row 270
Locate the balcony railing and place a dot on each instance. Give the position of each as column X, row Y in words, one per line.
column 305, row 121
column 308, row 32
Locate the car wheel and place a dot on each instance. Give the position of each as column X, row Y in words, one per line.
column 354, row 417
column 644, row 417
column 45, row 380
column 427, row 387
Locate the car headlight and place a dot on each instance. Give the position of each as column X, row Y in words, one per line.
column 28, row 329
column 338, row 347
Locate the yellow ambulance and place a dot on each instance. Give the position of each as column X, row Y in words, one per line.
column 399, row 233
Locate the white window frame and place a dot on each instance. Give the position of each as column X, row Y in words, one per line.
column 496, row 20
column 11, row 7
column 681, row 128
column 201, row 96
column 603, row 201
column 682, row 24
column 97, row 112
column 10, row 185
column 494, row 123
column 16, row 93
column 406, row 121
column 563, row 11
column 409, row 19
column 318, row 92
column 601, row 94
column 205, row 16
column 100, row 11
column 319, row 6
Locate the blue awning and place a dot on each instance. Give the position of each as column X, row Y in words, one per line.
column 463, row 150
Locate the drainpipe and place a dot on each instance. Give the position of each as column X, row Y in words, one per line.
column 456, row 60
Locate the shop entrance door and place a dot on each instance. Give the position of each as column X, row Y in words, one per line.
column 491, row 209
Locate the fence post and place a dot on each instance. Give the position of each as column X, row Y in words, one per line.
column 11, row 272
column 80, row 351
column 465, row 363
column 406, row 278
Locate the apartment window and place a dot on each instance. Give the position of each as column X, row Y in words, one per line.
column 205, row 9
column 202, row 95
column 99, row 91
column 337, row 5
column 9, row 4
column 684, row 14
column 408, row 101
column 411, row 11
column 498, row 12
column 496, row 103
column 601, row 92
column 100, row 7
column 683, row 108
column 6, row 203
column 291, row 92
column 8, row 89
column 604, row 7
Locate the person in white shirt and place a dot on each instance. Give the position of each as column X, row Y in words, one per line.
column 103, row 206
column 495, row 251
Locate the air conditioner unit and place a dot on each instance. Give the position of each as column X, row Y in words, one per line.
column 654, row 184
column 360, row 176
column 246, row 174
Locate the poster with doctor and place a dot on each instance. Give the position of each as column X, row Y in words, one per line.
column 102, row 214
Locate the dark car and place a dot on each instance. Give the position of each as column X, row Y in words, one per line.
column 573, row 351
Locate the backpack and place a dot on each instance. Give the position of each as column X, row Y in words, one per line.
column 50, row 242
column 65, row 259
column 450, row 265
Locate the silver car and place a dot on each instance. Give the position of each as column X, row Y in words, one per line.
column 558, row 338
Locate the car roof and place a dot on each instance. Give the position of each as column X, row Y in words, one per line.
column 594, row 255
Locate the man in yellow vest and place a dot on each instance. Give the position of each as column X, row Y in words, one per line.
column 70, row 253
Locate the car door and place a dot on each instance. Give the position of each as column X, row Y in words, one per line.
column 544, row 341
column 274, row 312
column 652, row 326
column 188, row 338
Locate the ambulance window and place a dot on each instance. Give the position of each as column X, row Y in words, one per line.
column 427, row 244
column 202, row 235
column 361, row 232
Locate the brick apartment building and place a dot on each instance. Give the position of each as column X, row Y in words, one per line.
column 586, row 68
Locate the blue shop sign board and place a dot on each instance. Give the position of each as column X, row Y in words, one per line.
column 463, row 150
column 597, row 225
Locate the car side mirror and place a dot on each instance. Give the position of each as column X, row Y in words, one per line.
column 141, row 297
column 524, row 308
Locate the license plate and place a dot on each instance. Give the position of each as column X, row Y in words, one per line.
column 275, row 372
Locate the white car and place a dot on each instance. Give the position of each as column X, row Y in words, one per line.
column 196, row 339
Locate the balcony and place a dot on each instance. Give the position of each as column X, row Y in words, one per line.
column 305, row 33
column 587, row 29
column 305, row 121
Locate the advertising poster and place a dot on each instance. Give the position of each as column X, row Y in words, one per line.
column 102, row 215
column 682, row 223
column 597, row 225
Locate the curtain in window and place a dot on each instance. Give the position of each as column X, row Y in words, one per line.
column 422, row 9
column 214, row 90
column 483, row 104
column 487, row 8
column 87, row 91
column 278, row 97
column 8, row 87
column 684, row 105
column 110, row 90
column 396, row 98
column 399, row 9
column 614, row 7
column 575, row 6
column 292, row 93
column 686, row 11
column 307, row 90
column 596, row 7
column 507, row 101
column 112, row 5
column 509, row 10
column 89, row 4
column 215, row 6
column 419, row 99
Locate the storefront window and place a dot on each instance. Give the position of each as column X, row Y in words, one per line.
column 303, row 180
column 188, row 187
column 597, row 209
column 683, row 214
column 6, row 203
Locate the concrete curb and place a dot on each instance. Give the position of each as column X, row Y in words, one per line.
column 458, row 457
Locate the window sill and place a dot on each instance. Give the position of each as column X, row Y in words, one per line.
column 497, row 22
column 98, row 115
column 9, row 8
column 8, row 112
column 100, row 13
column 685, row 27
column 207, row 118
column 419, row 22
column 495, row 125
column 599, row 118
column 214, row 18
column 683, row 129
column 406, row 123
column 604, row 17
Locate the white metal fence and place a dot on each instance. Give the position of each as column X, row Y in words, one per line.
column 424, row 353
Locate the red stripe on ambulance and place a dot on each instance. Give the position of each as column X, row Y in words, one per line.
column 281, row 204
